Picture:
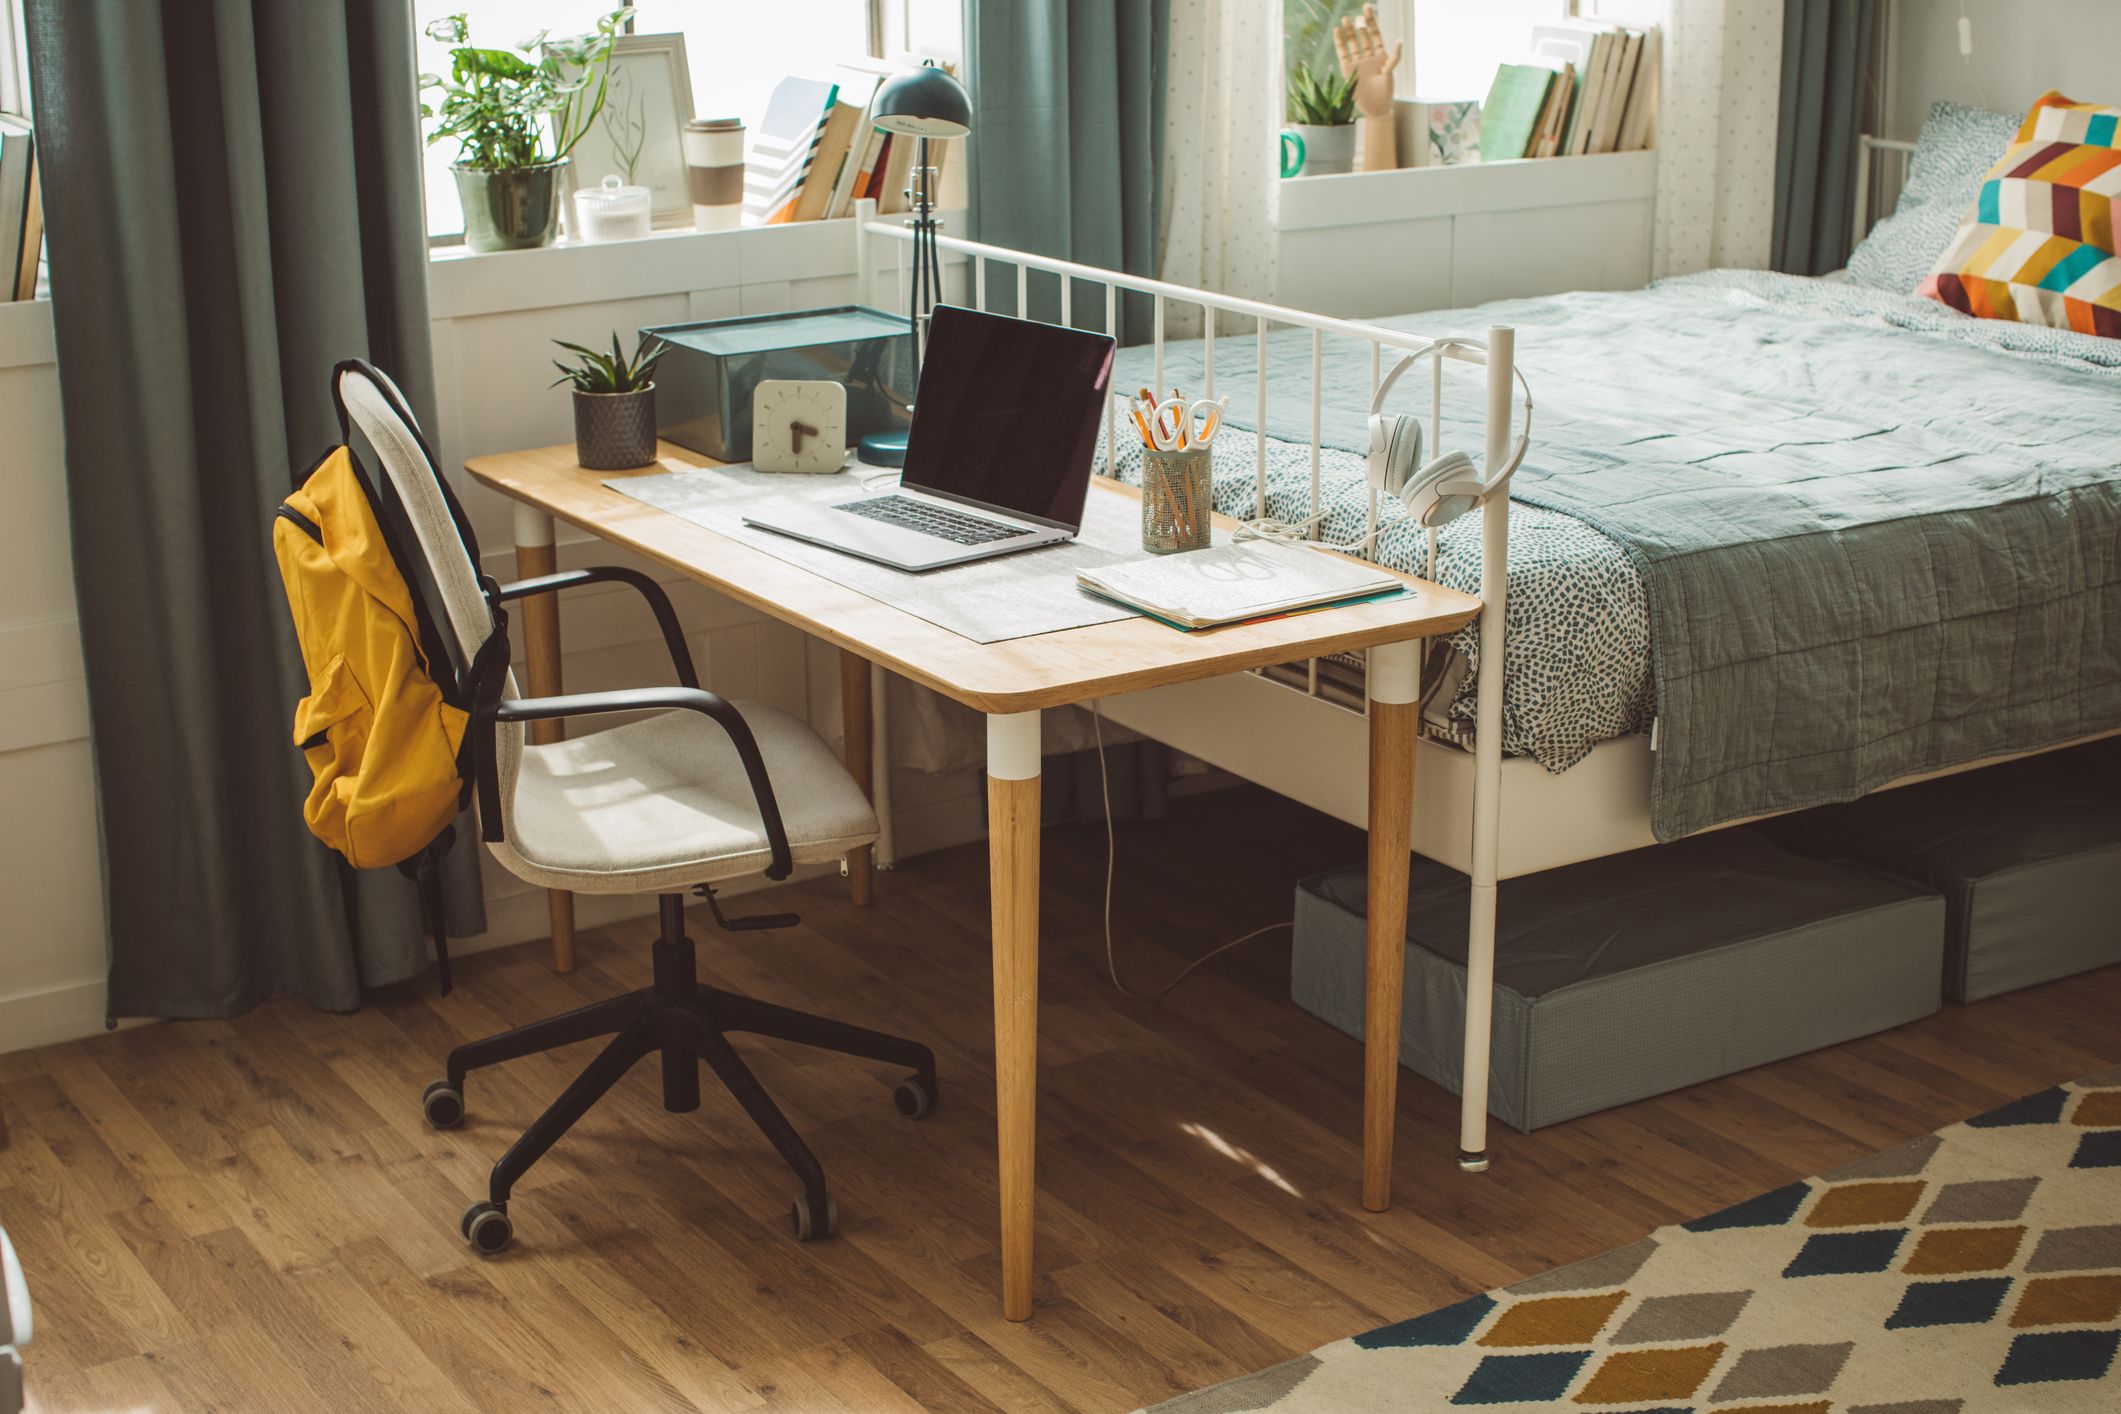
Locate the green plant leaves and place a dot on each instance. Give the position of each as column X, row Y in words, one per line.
column 495, row 102
column 1323, row 98
column 594, row 372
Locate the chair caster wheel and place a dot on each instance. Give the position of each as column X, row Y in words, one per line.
column 486, row 1228
column 915, row 1097
column 813, row 1223
column 444, row 1104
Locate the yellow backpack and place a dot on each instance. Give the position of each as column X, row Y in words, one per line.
column 384, row 739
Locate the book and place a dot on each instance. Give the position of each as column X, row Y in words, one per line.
column 862, row 171
column 784, row 145
column 32, row 238
column 1515, row 102
column 1231, row 583
column 1626, row 50
column 1596, row 63
column 18, row 146
column 1546, row 142
column 896, row 175
column 836, row 138
column 1638, row 128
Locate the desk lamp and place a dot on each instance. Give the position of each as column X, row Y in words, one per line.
column 921, row 104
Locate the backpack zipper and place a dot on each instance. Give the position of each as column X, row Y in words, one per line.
column 301, row 522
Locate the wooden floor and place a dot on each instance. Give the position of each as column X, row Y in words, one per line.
column 252, row 1215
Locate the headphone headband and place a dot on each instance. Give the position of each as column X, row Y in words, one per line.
column 1467, row 350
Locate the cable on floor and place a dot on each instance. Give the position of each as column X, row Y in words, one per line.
column 1104, row 778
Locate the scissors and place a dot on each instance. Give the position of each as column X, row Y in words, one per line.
column 1179, row 425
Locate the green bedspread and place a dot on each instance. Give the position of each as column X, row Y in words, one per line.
column 1878, row 537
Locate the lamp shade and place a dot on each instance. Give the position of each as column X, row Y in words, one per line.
column 923, row 102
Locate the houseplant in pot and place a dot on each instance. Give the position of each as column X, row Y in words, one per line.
column 614, row 403
column 516, row 114
column 1322, row 114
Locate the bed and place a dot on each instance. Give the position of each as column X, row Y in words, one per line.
column 1780, row 541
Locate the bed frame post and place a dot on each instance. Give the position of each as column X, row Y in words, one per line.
column 1487, row 763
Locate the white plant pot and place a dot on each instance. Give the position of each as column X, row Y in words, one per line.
column 1327, row 150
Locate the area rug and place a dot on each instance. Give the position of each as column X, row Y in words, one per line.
column 1976, row 1269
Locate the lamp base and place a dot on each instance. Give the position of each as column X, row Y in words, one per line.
column 882, row 449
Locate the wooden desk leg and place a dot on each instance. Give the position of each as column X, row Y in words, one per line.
column 855, row 748
column 1012, row 863
column 536, row 554
column 1395, row 717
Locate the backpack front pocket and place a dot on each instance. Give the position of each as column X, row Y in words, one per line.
column 332, row 727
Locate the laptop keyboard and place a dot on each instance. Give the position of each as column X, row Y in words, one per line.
column 954, row 526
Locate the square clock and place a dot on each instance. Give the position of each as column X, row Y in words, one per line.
column 798, row 424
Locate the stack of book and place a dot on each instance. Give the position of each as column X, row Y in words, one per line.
column 21, row 213
column 1588, row 88
column 816, row 153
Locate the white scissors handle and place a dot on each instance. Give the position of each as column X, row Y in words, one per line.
column 1193, row 425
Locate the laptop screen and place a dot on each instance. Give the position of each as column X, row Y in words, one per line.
column 1008, row 413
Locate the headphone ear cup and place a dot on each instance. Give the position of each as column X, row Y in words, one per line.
column 1395, row 450
column 1419, row 494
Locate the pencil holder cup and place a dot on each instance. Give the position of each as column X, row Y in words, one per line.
column 1177, row 499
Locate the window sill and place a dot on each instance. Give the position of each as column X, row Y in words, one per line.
column 462, row 282
column 1363, row 198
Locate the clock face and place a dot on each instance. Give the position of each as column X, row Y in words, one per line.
column 798, row 424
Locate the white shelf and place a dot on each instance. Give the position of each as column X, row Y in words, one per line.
column 1360, row 198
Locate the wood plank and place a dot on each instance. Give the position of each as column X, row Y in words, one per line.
column 1048, row 670
column 1200, row 1214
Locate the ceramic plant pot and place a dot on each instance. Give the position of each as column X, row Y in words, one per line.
column 615, row 431
column 517, row 208
column 1327, row 150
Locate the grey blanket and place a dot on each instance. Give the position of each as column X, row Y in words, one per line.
column 1878, row 537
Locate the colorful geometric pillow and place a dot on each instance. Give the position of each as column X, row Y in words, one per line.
column 2038, row 245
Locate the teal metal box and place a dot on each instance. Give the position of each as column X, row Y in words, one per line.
column 704, row 384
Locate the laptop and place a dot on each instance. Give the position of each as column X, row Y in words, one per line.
column 998, row 459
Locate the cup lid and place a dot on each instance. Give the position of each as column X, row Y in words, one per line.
column 713, row 125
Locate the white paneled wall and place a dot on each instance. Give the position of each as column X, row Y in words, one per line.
column 51, row 944
column 493, row 321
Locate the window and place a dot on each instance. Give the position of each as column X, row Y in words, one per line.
column 14, row 59
column 737, row 49
column 1455, row 44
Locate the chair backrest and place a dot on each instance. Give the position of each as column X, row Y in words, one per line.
column 373, row 404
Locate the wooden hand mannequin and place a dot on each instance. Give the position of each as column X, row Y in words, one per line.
column 1361, row 47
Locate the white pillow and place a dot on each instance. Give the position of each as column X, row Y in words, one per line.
column 1952, row 156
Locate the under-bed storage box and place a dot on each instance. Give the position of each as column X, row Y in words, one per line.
column 2027, row 856
column 1625, row 977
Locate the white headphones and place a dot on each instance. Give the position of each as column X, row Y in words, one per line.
column 1438, row 491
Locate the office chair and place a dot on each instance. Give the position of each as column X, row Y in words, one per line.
column 672, row 803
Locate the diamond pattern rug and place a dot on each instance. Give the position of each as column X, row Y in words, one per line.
column 1973, row 1270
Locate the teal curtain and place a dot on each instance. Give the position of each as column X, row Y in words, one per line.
column 1067, row 143
column 1826, row 68
column 232, row 197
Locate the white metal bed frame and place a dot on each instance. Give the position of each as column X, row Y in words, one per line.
column 1598, row 807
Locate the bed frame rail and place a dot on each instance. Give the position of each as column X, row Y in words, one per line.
column 1877, row 160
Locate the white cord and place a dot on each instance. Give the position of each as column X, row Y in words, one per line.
column 1299, row 533
column 1097, row 725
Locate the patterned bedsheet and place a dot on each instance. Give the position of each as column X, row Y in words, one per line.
column 1578, row 640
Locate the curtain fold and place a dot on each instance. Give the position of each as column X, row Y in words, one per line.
column 232, row 198
column 1826, row 47
column 1068, row 141
column 1716, row 121
column 1223, row 108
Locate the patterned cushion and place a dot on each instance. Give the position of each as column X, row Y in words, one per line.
column 2038, row 244
column 1954, row 152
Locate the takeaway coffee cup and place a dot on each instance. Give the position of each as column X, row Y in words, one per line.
column 714, row 168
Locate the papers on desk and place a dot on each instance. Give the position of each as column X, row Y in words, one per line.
column 1230, row 583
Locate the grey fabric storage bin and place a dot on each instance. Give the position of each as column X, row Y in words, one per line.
column 1626, row 977
column 2026, row 854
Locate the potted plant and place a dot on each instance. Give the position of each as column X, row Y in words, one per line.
column 497, row 104
column 614, row 403
column 1322, row 115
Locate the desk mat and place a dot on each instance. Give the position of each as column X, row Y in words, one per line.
column 987, row 601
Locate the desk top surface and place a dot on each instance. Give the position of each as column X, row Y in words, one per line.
column 1048, row 670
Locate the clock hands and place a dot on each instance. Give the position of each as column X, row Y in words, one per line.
column 797, row 431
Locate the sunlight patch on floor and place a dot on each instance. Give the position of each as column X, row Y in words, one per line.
column 1233, row 1153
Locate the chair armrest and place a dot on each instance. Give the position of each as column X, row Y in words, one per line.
column 634, row 699
column 658, row 602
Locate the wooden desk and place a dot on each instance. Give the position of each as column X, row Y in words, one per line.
column 1012, row 683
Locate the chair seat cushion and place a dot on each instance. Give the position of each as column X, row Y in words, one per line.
column 662, row 803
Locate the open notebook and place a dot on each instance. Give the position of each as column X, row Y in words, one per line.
column 1229, row 583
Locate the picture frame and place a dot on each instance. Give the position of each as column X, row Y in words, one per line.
column 647, row 103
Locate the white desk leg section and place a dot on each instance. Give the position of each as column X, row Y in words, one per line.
column 1395, row 718
column 1487, row 768
column 537, row 554
column 1012, row 864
